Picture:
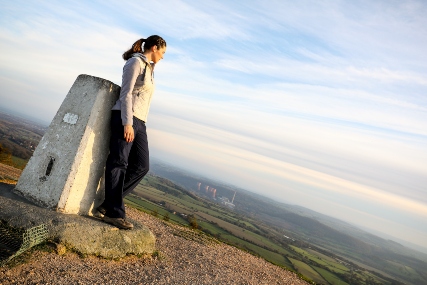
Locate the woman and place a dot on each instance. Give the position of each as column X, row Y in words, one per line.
column 128, row 161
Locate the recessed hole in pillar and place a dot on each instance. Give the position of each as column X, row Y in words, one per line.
column 49, row 166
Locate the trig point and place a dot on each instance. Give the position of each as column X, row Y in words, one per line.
column 65, row 174
column 66, row 168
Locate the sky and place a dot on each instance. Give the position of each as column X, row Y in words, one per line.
column 321, row 104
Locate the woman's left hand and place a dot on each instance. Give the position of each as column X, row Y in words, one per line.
column 128, row 133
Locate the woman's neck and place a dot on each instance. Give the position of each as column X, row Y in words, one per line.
column 148, row 55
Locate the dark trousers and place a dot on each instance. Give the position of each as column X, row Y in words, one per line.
column 127, row 164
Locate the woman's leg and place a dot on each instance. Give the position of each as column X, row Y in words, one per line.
column 116, row 168
column 138, row 158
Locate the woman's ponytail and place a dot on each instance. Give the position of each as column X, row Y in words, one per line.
column 136, row 47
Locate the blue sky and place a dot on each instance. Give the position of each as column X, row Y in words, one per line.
column 317, row 103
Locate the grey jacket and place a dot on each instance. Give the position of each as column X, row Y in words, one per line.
column 137, row 89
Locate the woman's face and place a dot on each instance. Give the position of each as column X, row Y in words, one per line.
column 158, row 54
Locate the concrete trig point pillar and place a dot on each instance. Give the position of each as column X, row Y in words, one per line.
column 66, row 168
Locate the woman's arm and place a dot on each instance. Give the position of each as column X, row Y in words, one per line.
column 131, row 70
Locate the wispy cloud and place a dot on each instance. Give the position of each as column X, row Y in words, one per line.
column 183, row 20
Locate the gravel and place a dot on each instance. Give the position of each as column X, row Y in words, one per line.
column 182, row 257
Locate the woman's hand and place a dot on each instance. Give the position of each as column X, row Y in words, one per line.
column 129, row 134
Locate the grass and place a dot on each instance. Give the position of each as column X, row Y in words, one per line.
column 330, row 277
column 404, row 271
column 173, row 202
column 149, row 207
column 18, row 162
column 9, row 174
column 322, row 259
column 307, row 271
column 321, row 256
column 333, row 267
column 242, row 233
column 273, row 257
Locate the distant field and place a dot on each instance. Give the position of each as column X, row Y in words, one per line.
column 242, row 233
column 307, row 271
column 334, row 266
column 9, row 174
column 404, row 271
column 150, row 208
column 329, row 277
column 322, row 259
column 18, row 162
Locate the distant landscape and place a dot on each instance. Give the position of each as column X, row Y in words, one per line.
column 320, row 248
column 18, row 139
column 291, row 226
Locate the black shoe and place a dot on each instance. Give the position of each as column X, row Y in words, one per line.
column 118, row 222
column 101, row 209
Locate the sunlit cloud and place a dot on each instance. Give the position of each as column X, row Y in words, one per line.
column 227, row 148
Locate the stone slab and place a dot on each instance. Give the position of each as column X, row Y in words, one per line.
column 66, row 170
column 84, row 234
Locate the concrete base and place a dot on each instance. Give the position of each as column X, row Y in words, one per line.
column 86, row 235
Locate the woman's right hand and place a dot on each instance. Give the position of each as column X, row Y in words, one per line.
column 129, row 134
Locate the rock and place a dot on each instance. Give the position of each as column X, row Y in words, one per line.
column 83, row 234
column 60, row 249
column 99, row 239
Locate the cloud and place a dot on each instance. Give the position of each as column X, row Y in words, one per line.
column 181, row 20
column 354, row 151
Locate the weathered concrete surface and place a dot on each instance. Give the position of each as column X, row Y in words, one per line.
column 66, row 170
column 87, row 235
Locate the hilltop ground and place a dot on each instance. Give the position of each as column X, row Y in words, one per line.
column 183, row 257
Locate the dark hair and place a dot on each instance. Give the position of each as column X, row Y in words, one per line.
column 148, row 43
